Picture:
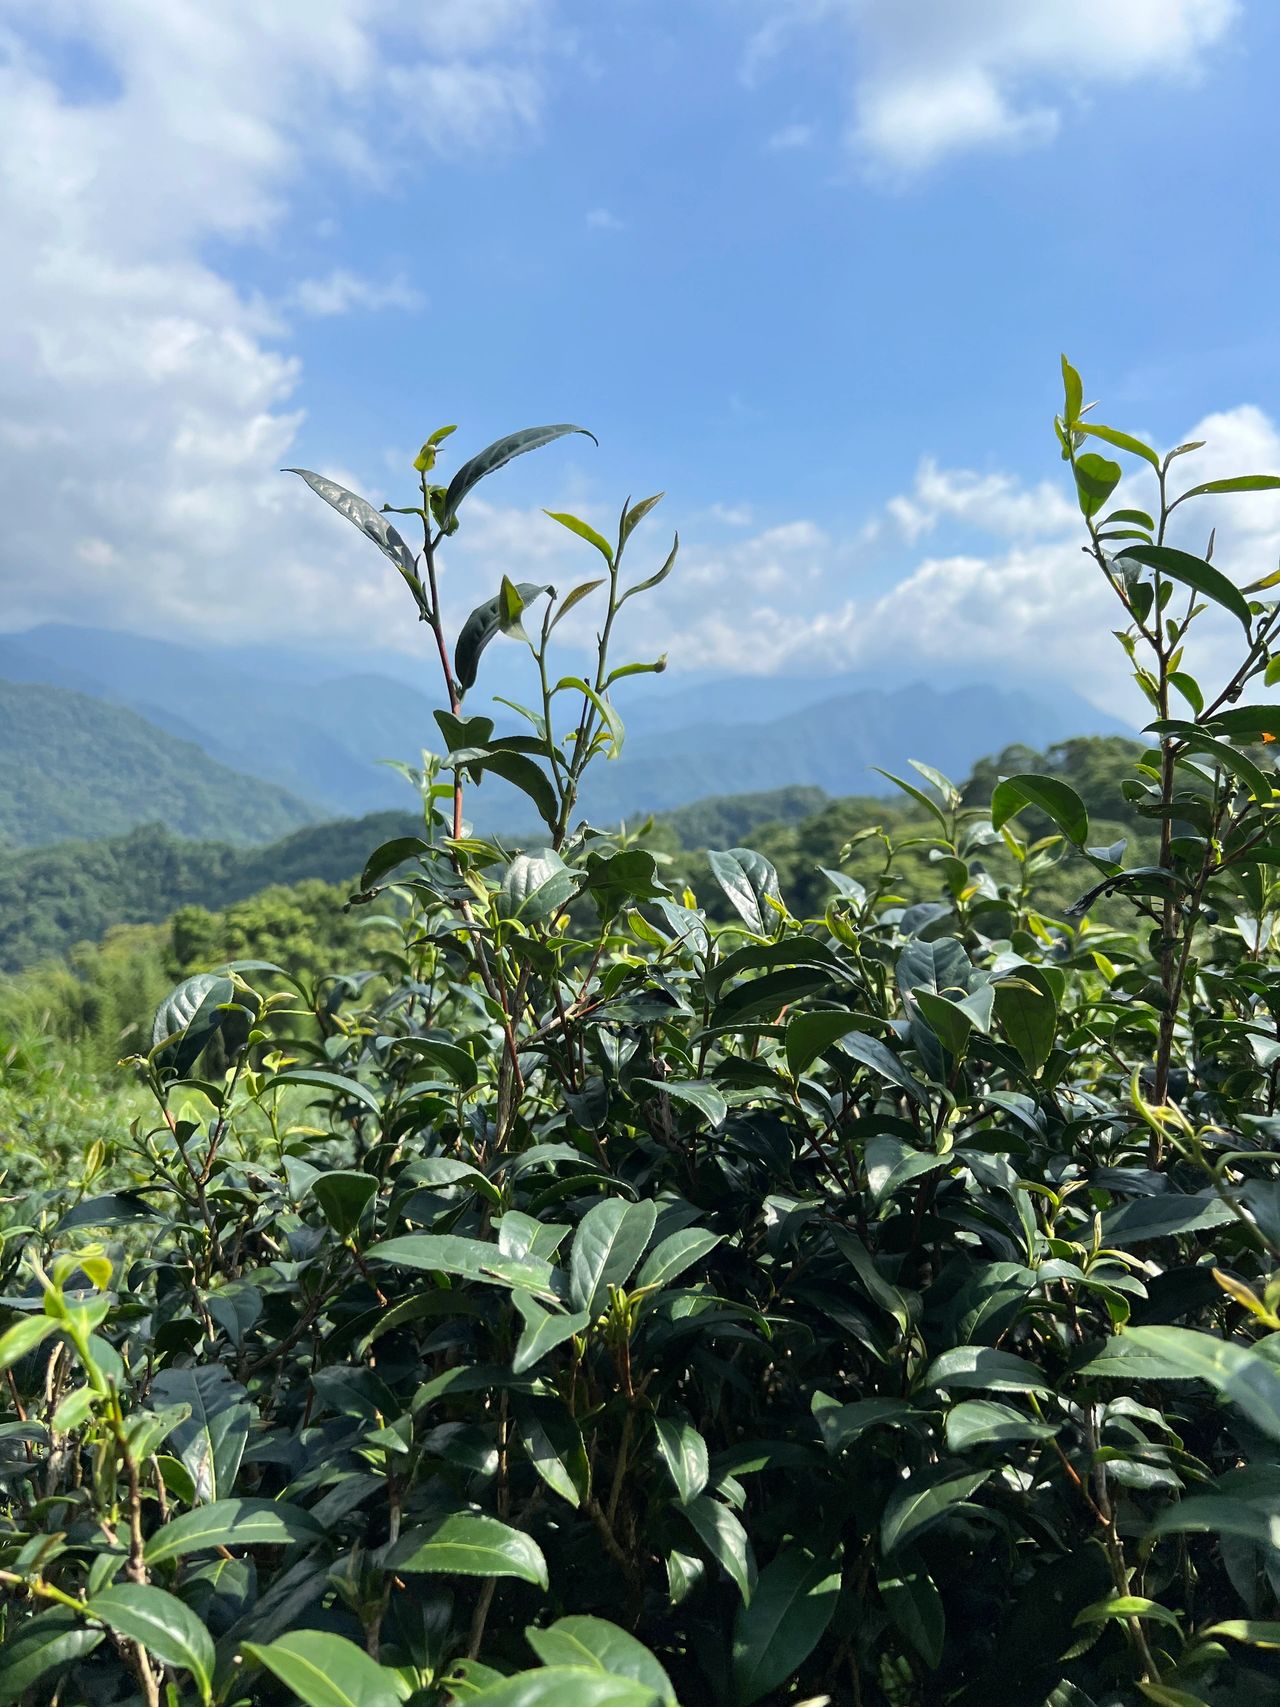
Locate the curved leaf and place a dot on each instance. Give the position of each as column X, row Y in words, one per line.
column 595, row 1642
column 1050, row 795
column 1193, row 572
column 232, row 1523
column 372, row 523
column 324, row 1670
column 485, row 621
column 162, row 1624
column 783, row 1623
column 496, row 456
column 468, row 1544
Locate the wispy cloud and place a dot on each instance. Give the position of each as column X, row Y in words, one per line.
column 601, row 219
column 340, row 291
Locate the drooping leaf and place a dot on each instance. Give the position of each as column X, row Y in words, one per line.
column 1050, row 795
column 724, row 1538
column 485, row 621
column 912, row 1600
column 189, row 1018
column 543, row 1330
column 372, row 523
column 210, row 1441
column 162, row 1624
column 923, row 1500
column 1096, row 479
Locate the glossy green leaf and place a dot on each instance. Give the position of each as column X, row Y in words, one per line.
column 1121, row 441
column 468, row 1544
column 1096, row 479
column 775, row 1632
column 468, row 1259
column 600, row 1645
column 750, row 883
column 543, row 1330
column 321, row 1079
column 1192, row 572
column 674, row 1254
column 40, row 1647
column 1235, row 483
column 610, row 1241
column 163, row 1625
column 1237, row 1372
column 923, row 1500
column 566, row 1686
column 1050, row 795
column 692, row 1092
column 324, row 1670
column 984, row 1367
column 23, row 1337
column 343, row 1197
column 724, row 1538
column 976, row 1423
column 232, row 1523
column 684, row 1452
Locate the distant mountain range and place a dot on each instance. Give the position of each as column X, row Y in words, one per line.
column 315, row 737
column 75, row 766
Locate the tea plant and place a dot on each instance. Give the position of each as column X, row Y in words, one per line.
column 587, row 1303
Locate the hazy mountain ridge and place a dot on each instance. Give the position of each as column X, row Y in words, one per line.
column 320, row 733
column 75, row 766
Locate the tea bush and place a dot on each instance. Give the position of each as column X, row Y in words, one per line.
column 582, row 1302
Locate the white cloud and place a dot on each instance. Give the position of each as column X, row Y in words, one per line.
column 340, row 291
column 146, row 403
column 993, row 503
column 600, row 219
column 1023, row 602
column 936, row 77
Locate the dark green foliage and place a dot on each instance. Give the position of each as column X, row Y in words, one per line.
column 54, row 898
column 577, row 1301
column 73, row 766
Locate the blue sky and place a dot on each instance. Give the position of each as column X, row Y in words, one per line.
column 805, row 264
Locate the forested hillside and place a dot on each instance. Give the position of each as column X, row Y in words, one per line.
column 75, row 766
column 92, row 902
column 54, row 897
